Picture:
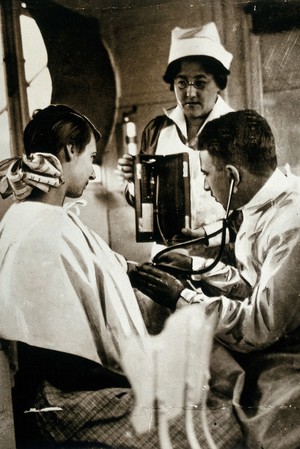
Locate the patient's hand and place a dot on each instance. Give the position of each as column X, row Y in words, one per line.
column 162, row 287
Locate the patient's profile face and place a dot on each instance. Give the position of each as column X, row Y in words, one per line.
column 82, row 170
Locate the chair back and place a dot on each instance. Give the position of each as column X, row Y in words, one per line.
column 7, row 428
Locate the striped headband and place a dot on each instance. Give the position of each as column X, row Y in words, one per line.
column 20, row 175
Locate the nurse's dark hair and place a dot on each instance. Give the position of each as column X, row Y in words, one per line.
column 52, row 128
column 242, row 138
column 210, row 65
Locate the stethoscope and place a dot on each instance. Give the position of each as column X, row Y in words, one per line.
column 201, row 239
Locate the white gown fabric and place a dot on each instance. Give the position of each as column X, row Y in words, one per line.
column 62, row 287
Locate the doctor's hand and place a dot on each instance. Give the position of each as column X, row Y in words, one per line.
column 193, row 233
column 162, row 287
column 174, row 262
column 125, row 168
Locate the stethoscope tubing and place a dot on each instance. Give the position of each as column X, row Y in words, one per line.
column 203, row 239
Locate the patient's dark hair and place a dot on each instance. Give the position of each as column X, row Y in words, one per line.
column 242, row 138
column 52, row 128
column 210, row 65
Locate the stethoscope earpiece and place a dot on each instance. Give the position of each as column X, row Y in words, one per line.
column 230, row 193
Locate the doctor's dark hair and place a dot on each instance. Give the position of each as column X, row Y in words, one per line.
column 209, row 64
column 52, row 128
column 242, row 138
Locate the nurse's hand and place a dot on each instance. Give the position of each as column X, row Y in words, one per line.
column 125, row 168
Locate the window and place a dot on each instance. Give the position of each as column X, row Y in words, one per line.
column 281, row 92
column 25, row 82
column 277, row 25
column 39, row 86
column 4, row 124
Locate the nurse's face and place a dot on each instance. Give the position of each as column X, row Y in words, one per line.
column 195, row 89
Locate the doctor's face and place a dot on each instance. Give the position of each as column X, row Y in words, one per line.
column 217, row 180
column 195, row 89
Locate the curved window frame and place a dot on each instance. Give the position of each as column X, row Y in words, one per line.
column 20, row 102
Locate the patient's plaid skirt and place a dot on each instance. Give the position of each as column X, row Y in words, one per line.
column 102, row 418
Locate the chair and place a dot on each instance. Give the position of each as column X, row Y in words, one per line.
column 7, row 428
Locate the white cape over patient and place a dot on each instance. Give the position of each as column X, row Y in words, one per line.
column 79, row 304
